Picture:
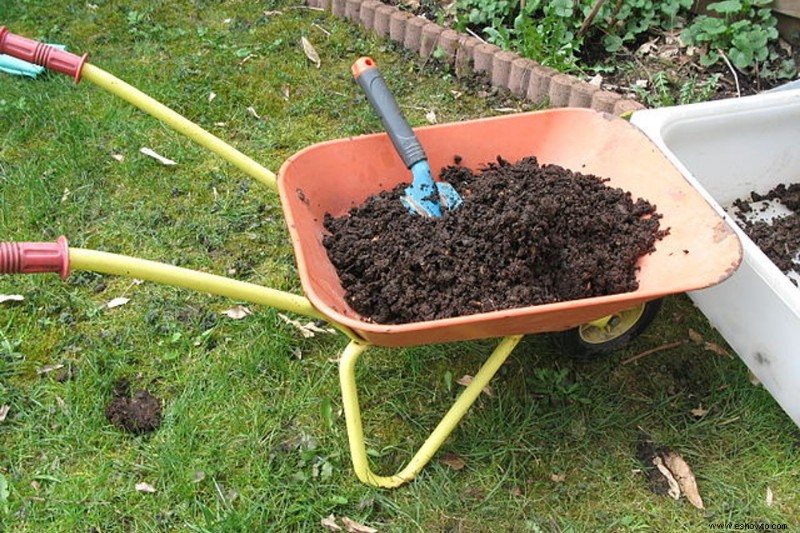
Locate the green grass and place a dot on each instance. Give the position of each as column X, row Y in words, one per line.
column 247, row 443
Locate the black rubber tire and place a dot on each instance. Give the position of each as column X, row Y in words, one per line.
column 573, row 343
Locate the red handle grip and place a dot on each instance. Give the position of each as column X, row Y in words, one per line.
column 35, row 257
column 41, row 54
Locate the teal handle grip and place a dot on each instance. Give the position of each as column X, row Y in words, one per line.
column 382, row 100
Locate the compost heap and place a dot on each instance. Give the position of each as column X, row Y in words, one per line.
column 526, row 234
column 780, row 238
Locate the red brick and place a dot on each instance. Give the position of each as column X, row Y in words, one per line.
column 560, row 89
column 605, row 101
column 582, row 93
column 397, row 25
column 538, row 90
column 430, row 39
column 520, row 75
column 381, row 22
column 483, row 57
column 623, row 107
column 501, row 68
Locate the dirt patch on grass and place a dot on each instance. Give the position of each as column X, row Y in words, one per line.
column 525, row 235
column 138, row 414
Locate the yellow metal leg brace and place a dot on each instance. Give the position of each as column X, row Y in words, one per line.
column 352, row 413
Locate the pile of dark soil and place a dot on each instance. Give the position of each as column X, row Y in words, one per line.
column 525, row 235
column 780, row 238
column 138, row 414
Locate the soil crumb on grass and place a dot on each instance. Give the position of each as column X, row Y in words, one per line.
column 138, row 414
column 779, row 239
column 526, row 234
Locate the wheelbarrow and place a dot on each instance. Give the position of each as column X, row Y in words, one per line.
column 334, row 176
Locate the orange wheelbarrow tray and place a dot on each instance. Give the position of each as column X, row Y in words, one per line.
column 334, row 176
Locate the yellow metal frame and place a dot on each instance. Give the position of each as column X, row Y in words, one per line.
column 355, row 431
column 133, row 267
column 179, row 123
column 116, row 264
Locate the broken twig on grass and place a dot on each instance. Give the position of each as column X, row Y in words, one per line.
column 651, row 351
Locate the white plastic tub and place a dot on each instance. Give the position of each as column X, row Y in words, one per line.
column 727, row 149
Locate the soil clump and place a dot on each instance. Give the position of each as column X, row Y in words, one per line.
column 526, row 234
column 779, row 239
column 138, row 414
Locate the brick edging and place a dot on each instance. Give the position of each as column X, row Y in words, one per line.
column 466, row 54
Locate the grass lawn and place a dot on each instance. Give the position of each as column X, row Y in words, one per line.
column 253, row 438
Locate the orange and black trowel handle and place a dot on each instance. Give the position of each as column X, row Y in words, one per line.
column 41, row 54
column 369, row 77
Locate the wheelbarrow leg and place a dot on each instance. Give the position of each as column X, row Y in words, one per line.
column 352, row 413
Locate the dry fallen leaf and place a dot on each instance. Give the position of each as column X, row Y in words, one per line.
column 308, row 330
column 686, row 480
column 351, row 526
column 118, row 157
column 117, row 302
column 311, row 52
column 453, row 461
column 696, row 338
column 698, row 411
column 11, row 298
column 320, row 28
column 647, row 47
column 729, row 421
column 466, row 380
column 49, row 368
column 329, row 523
column 753, row 379
column 4, row 409
column 160, row 158
column 237, row 312
column 674, row 488
column 558, row 478
column 717, row 349
column 145, row 487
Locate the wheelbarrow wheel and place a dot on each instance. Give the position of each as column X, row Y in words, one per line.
column 602, row 337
